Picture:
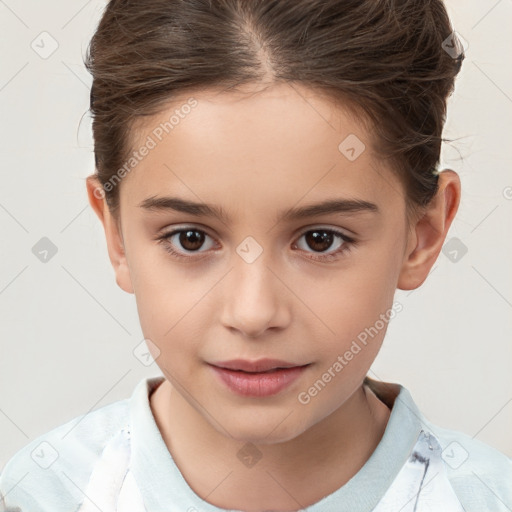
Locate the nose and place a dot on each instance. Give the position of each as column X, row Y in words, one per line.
column 254, row 298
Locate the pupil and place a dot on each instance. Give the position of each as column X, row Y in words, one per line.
column 325, row 240
column 190, row 237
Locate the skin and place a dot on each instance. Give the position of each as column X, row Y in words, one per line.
column 254, row 155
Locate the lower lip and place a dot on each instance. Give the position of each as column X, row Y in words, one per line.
column 259, row 384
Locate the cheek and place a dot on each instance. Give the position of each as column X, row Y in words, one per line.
column 353, row 296
column 352, row 309
column 171, row 306
column 158, row 290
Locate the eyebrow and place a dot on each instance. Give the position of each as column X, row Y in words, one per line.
column 330, row 206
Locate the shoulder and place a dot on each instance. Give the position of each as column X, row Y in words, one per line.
column 50, row 472
column 480, row 475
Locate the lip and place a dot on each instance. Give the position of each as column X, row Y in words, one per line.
column 272, row 380
column 260, row 365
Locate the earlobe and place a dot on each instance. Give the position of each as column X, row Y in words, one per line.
column 428, row 235
column 115, row 243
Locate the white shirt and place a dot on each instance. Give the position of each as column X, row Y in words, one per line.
column 114, row 459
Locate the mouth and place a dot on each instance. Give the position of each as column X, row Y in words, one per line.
column 259, row 366
column 258, row 379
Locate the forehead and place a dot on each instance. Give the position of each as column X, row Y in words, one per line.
column 282, row 143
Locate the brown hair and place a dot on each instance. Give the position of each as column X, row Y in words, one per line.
column 382, row 60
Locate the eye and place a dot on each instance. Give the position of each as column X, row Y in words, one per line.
column 190, row 239
column 185, row 243
column 321, row 239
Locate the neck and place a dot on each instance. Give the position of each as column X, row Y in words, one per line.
column 326, row 455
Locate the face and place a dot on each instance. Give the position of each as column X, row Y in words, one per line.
column 262, row 281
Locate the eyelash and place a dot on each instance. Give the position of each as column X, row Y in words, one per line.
column 347, row 245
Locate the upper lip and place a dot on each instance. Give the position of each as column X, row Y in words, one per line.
column 260, row 365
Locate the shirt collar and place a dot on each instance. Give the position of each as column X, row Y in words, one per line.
column 162, row 484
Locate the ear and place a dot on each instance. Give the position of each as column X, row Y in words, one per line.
column 115, row 244
column 427, row 235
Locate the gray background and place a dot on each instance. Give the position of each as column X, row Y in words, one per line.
column 67, row 332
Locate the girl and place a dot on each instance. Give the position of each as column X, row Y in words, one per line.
column 266, row 176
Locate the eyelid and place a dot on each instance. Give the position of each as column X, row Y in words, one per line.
column 299, row 232
column 346, row 247
column 171, row 230
column 311, row 227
